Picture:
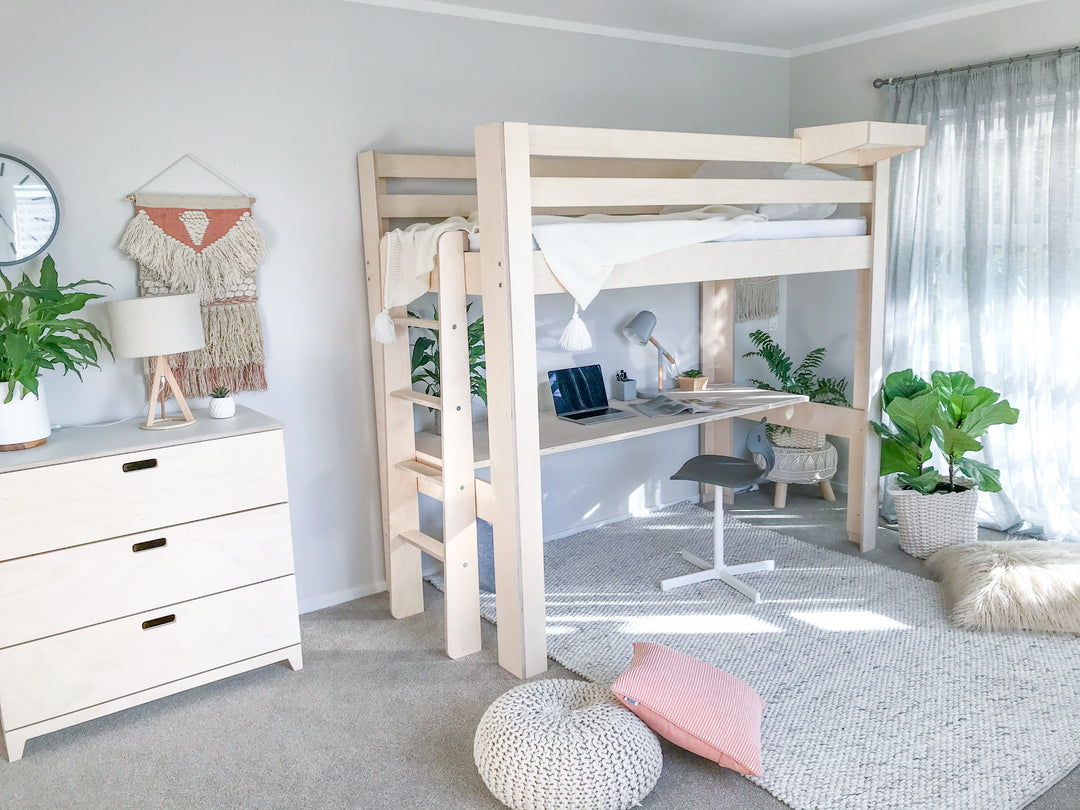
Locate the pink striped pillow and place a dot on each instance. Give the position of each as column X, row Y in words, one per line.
column 695, row 705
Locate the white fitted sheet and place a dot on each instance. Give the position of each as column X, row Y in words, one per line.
column 780, row 229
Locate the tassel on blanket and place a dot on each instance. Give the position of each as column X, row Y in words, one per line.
column 576, row 337
column 383, row 331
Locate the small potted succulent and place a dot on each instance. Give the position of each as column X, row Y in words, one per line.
column 950, row 413
column 222, row 405
column 692, row 380
column 35, row 336
column 800, row 379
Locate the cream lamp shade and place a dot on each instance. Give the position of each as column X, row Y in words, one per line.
column 156, row 326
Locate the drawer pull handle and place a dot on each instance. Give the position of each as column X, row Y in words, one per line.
column 150, row 624
column 144, row 464
column 146, row 545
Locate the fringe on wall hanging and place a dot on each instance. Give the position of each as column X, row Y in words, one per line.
column 757, row 298
column 211, row 246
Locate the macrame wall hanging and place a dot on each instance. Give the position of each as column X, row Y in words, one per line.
column 757, row 298
column 211, row 246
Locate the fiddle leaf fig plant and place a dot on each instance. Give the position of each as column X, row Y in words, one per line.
column 34, row 335
column 952, row 413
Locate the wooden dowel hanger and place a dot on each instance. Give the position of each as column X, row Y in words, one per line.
column 202, row 165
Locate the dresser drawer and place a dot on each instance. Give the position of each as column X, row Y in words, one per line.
column 76, row 587
column 51, row 507
column 60, row 674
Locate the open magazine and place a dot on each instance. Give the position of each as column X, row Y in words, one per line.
column 664, row 405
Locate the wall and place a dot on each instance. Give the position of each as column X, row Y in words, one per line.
column 837, row 85
column 280, row 96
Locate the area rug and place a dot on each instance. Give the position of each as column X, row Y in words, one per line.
column 874, row 701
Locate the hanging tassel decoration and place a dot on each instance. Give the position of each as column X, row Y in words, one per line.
column 383, row 330
column 576, row 337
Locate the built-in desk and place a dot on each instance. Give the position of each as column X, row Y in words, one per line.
column 559, row 435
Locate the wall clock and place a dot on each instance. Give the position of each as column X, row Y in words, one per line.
column 29, row 211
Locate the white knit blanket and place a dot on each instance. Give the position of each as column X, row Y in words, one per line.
column 582, row 251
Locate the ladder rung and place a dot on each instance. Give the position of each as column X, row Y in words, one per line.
column 426, row 543
column 420, row 323
column 417, row 398
column 422, row 471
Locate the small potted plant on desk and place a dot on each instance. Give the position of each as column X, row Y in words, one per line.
column 952, row 413
column 425, row 362
column 693, row 380
column 34, row 337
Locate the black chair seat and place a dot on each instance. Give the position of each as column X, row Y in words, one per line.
column 721, row 471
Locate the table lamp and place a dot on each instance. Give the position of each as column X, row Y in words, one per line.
column 639, row 331
column 156, row 326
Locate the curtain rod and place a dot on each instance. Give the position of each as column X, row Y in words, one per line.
column 879, row 83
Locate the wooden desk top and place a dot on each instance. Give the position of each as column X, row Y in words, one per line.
column 559, row 435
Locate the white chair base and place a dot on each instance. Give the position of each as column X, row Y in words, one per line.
column 717, row 569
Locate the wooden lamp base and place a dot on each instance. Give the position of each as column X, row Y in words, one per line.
column 164, row 381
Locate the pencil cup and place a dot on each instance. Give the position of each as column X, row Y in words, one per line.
column 624, row 390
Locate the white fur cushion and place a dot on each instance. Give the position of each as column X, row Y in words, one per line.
column 1011, row 585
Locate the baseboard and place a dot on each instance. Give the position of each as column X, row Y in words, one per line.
column 325, row 600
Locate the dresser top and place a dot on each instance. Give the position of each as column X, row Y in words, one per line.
column 79, row 443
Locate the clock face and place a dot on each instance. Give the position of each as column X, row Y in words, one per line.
column 29, row 212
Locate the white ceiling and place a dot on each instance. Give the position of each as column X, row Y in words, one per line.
column 771, row 27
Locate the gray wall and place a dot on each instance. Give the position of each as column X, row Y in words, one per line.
column 837, row 85
column 280, row 96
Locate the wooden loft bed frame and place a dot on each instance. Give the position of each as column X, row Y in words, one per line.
column 522, row 169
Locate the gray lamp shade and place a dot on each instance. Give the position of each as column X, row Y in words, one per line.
column 640, row 329
column 156, row 325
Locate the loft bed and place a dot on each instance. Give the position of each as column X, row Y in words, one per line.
column 522, row 169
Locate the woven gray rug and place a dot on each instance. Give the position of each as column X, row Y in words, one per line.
column 873, row 700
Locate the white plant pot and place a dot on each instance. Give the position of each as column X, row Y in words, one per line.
column 222, row 407
column 929, row 523
column 24, row 422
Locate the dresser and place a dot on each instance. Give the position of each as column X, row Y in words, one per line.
column 136, row 564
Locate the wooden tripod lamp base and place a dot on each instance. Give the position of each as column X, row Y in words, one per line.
column 164, row 382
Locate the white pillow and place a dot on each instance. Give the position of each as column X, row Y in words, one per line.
column 801, row 171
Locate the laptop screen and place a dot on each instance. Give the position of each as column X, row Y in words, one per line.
column 578, row 389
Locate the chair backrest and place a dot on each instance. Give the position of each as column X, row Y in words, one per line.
column 758, row 443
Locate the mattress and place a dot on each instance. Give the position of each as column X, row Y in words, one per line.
column 779, row 229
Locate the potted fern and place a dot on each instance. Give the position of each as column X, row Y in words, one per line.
column 35, row 336
column 801, row 379
column 425, row 362
column 950, row 413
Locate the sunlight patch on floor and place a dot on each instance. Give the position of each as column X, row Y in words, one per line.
column 841, row 621
column 699, row 623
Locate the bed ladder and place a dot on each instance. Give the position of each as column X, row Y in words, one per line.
column 404, row 476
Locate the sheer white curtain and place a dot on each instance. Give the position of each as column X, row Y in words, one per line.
column 985, row 268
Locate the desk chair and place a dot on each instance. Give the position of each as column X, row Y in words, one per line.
column 738, row 474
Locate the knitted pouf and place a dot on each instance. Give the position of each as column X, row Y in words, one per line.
column 565, row 745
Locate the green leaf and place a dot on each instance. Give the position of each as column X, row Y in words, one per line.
column 914, row 416
column 900, row 457
column 904, row 383
column 48, row 273
column 983, row 417
column 953, row 441
column 985, row 477
column 925, row 483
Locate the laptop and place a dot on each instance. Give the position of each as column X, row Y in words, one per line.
column 580, row 396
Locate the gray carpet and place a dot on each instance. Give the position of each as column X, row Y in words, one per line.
column 866, row 682
column 379, row 718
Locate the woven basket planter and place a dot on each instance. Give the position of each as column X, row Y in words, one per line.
column 802, row 466
column 932, row 522
column 796, row 438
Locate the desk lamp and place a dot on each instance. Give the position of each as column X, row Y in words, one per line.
column 639, row 331
column 156, row 326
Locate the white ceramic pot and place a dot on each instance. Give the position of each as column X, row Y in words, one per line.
column 25, row 420
column 928, row 523
column 222, row 407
